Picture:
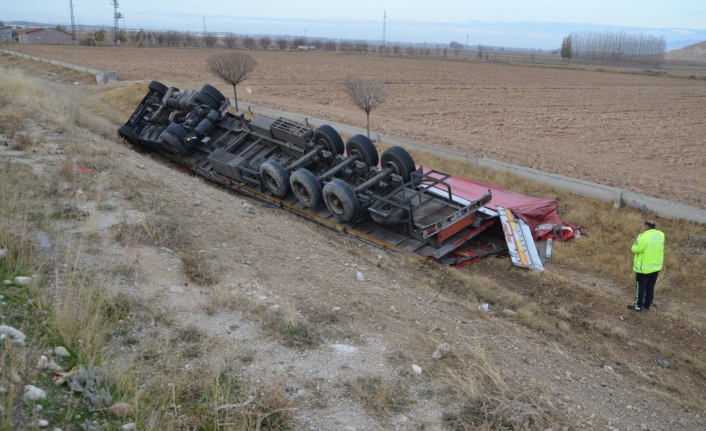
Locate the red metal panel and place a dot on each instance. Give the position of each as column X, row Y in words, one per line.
column 455, row 228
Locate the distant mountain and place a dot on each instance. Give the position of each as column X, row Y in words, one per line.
column 693, row 53
column 678, row 44
column 79, row 27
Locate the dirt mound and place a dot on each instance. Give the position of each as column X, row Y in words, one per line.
column 126, row 98
column 695, row 52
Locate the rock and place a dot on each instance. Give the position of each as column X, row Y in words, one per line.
column 417, row 369
column 129, row 427
column 79, row 192
column 342, row 348
column 141, row 166
column 167, row 250
column 42, row 362
column 33, row 393
column 17, row 336
column 3, row 253
column 334, row 309
column 23, row 281
column 42, row 423
column 57, row 429
column 7, row 282
column 53, row 366
column 61, row 351
column 509, row 312
column 442, row 350
column 360, row 277
column 120, row 409
column 663, row 363
column 176, row 289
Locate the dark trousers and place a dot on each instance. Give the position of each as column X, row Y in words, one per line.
column 645, row 289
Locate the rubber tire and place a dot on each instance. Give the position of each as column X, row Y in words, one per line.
column 158, row 87
column 275, row 178
column 177, row 129
column 399, row 160
column 306, row 188
column 399, row 215
column 341, row 200
column 362, row 146
column 329, row 137
column 128, row 134
column 172, row 143
column 213, row 92
column 207, row 100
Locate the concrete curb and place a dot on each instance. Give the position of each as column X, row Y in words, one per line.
column 101, row 76
column 644, row 203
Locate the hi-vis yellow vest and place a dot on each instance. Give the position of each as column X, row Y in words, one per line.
column 649, row 252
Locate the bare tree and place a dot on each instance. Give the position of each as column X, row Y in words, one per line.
column 230, row 41
column 249, row 42
column 232, row 67
column 265, row 42
column 209, row 40
column 366, row 94
column 281, row 43
column 298, row 41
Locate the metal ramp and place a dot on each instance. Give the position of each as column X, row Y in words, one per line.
column 520, row 243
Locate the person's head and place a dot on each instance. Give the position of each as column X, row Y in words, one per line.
column 649, row 224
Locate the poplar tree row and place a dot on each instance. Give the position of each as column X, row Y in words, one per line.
column 614, row 49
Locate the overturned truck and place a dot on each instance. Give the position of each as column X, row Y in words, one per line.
column 383, row 199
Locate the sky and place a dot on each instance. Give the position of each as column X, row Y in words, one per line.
column 518, row 23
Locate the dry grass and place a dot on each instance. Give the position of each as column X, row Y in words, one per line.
column 30, row 98
column 198, row 268
column 381, row 397
column 127, row 98
column 12, row 120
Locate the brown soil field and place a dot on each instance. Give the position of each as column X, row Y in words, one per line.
column 642, row 133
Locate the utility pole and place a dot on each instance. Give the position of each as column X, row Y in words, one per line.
column 73, row 25
column 204, row 26
column 466, row 41
column 117, row 15
column 384, row 24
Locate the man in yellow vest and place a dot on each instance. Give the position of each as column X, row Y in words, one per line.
column 649, row 258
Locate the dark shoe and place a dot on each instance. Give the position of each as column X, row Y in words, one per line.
column 635, row 308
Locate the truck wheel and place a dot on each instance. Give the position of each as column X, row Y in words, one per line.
column 172, row 142
column 399, row 160
column 128, row 134
column 306, row 188
column 362, row 147
column 329, row 137
column 397, row 214
column 177, row 129
column 275, row 177
column 206, row 100
column 158, row 87
column 213, row 92
column 341, row 200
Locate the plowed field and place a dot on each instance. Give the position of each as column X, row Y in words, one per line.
column 638, row 132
